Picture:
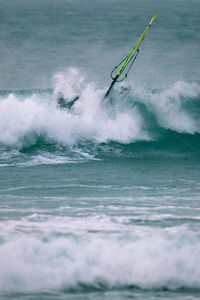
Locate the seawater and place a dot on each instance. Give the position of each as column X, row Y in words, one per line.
column 101, row 202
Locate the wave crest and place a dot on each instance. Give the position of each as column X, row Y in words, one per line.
column 25, row 118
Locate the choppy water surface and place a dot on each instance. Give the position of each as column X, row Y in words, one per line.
column 101, row 202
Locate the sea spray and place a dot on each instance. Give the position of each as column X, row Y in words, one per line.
column 88, row 120
column 168, row 106
column 68, row 83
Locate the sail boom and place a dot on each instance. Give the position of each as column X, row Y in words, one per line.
column 127, row 61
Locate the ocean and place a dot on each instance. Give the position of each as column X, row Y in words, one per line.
column 102, row 201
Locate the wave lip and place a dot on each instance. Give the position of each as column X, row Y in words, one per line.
column 168, row 106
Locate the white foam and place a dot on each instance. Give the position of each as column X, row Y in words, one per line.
column 147, row 258
column 24, row 120
column 55, row 159
column 167, row 106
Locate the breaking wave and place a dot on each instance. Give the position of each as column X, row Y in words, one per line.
column 27, row 117
column 146, row 259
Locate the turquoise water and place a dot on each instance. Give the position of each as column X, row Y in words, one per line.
column 101, row 202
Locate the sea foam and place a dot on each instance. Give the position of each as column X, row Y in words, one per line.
column 144, row 258
column 23, row 120
column 167, row 105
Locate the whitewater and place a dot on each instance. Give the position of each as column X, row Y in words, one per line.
column 100, row 201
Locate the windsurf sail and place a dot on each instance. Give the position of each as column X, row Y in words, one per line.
column 127, row 62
